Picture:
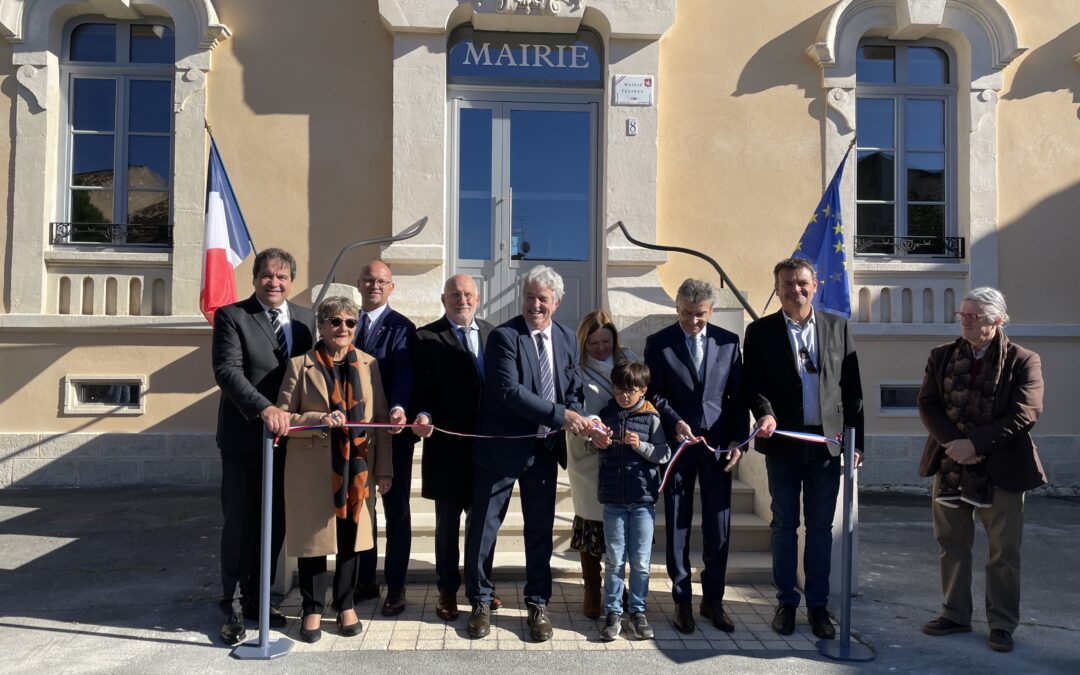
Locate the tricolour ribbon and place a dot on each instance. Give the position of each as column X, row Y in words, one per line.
column 798, row 435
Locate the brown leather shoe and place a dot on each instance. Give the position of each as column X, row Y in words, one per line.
column 447, row 609
column 496, row 603
column 394, row 603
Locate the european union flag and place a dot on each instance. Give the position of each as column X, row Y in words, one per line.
column 823, row 244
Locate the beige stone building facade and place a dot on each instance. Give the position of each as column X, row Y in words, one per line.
column 523, row 131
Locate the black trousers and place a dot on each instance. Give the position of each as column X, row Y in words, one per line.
column 398, row 514
column 241, row 505
column 447, row 532
column 314, row 578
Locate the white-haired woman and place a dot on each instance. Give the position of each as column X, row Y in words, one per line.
column 979, row 400
column 329, row 500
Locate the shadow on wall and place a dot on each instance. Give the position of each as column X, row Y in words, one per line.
column 782, row 62
column 333, row 65
column 1042, row 68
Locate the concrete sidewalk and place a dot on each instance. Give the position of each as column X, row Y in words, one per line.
column 127, row 581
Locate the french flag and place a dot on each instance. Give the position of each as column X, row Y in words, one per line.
column 226, row 242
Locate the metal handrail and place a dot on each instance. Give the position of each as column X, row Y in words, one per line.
column 408, row 233
column 679, row 249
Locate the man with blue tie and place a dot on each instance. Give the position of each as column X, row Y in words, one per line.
column 387, row 335
column 448, row 369
column 696, row 385
column 532, row 390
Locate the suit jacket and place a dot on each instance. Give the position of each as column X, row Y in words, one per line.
column 388, row 341
column 447, row 386
column 311, row 526
column 713, row 406
column 773, row 386
column 247, row 369
column 1005, row 443
column 512, row 403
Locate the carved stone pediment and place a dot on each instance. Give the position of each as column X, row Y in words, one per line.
column 556, row 16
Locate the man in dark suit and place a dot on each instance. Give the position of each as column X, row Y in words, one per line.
column 448, row 368
column 532, row 386
column 386, row 335
column 253, row 340
column 802, row 374
column 696, row 385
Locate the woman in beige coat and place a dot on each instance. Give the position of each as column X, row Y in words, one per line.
column 598, row 344
column 331, row 475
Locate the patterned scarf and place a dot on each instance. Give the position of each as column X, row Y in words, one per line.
column 969, row 404
column 348, row 445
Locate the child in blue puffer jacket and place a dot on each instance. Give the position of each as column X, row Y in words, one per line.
column 633, row 448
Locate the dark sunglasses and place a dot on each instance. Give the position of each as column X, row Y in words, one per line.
column 336, row 322
column 807, row 362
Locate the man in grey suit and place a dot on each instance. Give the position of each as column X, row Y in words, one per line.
column 802, row 374
column 253, row 340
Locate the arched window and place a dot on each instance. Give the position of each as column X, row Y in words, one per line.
column 905, row 186
column 118, row 79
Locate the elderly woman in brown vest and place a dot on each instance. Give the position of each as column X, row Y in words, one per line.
column 979, row 400
column 331, row 475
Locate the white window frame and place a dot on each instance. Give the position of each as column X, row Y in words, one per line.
column 900, row 92
column 896, row 412
column 122, row 72
column 72, row 406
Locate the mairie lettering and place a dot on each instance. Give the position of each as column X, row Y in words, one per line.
column 527, row 56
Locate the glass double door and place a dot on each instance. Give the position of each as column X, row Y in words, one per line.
column 524, row 194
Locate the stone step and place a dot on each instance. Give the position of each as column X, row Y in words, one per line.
column 742, row 497
column 749, row 533
column 743, row 566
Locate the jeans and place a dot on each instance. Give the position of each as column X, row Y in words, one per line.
column 817, row 477
column 628, row 533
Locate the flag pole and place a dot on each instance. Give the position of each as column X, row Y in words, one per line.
column 846, row 153
column 225, row 172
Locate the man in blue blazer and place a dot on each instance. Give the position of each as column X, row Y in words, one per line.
column 696, row 385
column 802, row 374
column 532, row 389
column 387, row 335
column 253, row 341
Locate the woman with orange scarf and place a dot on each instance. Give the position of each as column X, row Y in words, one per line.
column 331, row 474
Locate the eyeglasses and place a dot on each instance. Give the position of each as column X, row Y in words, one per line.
column 336, row 322
column 626, row 393
column 808, row 363
column 960, row 316
column 378, row 283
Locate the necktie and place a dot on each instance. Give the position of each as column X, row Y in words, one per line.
column 283, row 345
column 547, row 382
column 463, row 332
column 365, row 326
column 696, row 354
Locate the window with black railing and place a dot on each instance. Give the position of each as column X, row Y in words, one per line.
column 905, row 183
column 118, row 77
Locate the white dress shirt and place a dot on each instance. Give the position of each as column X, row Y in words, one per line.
column 805, row 337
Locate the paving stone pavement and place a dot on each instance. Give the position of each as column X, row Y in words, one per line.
column 419, row 629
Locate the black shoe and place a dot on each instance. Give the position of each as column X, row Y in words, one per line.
column 277, row 617
column 943, row 626
column 1000, row 640
column 394, row 603
column 684, row 618
column 639, row 625
column 349, row 630
column 720, row 618
column 310, row 636
column 479, row 620
column 368, row 591
column 783, row 621
column 232, row 631
column 539, row 624
column 612, row 627
column 820, row 623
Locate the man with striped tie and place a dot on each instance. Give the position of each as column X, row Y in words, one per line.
column 253, row 340
column 532, row 388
